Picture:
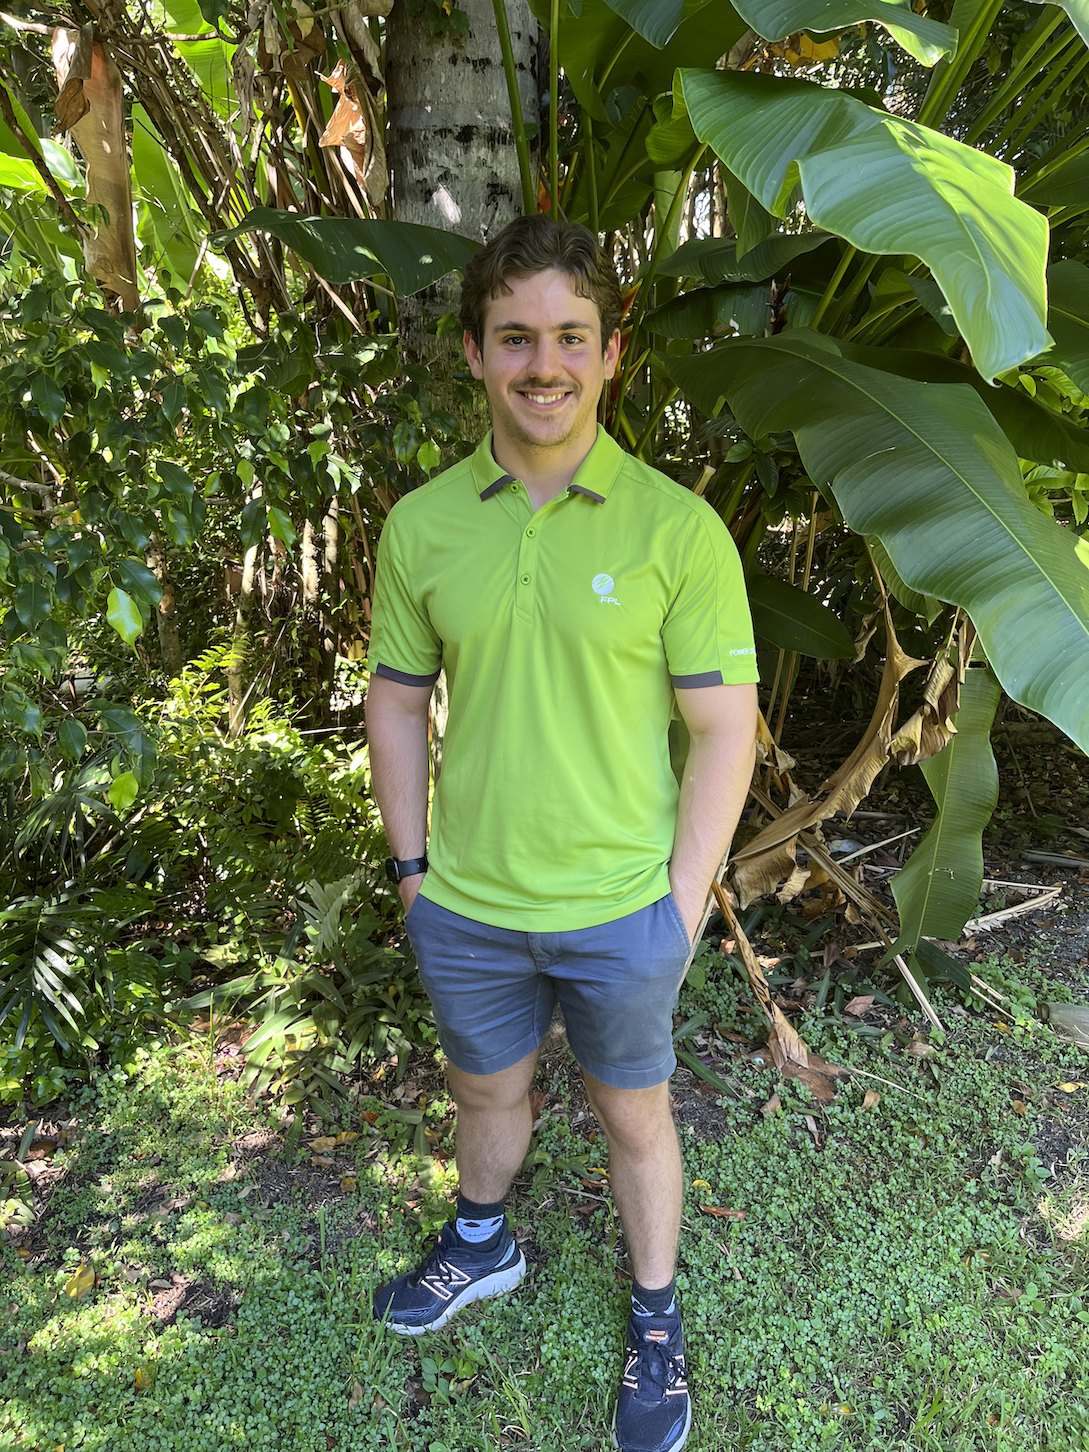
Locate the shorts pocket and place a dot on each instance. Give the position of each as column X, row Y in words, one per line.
column 678, row 922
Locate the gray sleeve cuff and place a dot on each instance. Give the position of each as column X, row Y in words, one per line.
column 689, row 683
column 403, row 678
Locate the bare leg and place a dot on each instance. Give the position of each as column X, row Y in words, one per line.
column 644, row 1172
column 493, row 1129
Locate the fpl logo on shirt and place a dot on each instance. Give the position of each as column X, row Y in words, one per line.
column 602, row 585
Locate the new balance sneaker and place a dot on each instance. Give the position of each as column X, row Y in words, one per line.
column 653, row 1410
column 448, row 1278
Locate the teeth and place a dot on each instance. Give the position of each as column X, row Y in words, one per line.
column 545, row 397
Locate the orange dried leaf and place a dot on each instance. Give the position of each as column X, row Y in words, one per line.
column 772, row 1105
column 348, row 1137
column 860, row 1005
column 722, row 1213
column 323, row 1144
column 349, row 1185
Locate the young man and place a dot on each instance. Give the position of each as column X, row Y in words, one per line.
column 573, row 595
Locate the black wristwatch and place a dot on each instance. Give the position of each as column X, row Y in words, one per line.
column 398, row 867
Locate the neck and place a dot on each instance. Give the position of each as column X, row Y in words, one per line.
column 546, row 473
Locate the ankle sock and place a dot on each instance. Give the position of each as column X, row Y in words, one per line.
column 654, row 1303
column 480, row 1226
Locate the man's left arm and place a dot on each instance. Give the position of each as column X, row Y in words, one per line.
column 721, row 722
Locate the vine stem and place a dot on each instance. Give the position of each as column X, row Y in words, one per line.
column 518, row 120
column 830, row 291
column 554, row 109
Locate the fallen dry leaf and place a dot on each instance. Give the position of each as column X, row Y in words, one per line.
column 700, row 1184
column 771, row 1106
column 537, row 1101
column 860, row 1005
column 323, row 1144
column 322, row 1161
column 369, row 1116
column 722, row 1213
column 356, row 1396
column 1070, row 1088
column 1019, row 1107
column 919, row 1049
column 349, row 1185
column 142, row 1378
column 80, row 1281
column 870, row 1100
column 348, row 1137
column 231, row 1218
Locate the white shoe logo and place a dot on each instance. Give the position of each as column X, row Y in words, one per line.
column 602, row 584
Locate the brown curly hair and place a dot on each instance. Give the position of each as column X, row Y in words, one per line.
column 528, row 245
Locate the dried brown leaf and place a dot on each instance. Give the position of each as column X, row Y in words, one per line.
column 860, row 1005
column 349, row 1185
column 870, row 1100
column 722, row 1213
column 356, row 1396
column 323, row 1144
column 773, row 1104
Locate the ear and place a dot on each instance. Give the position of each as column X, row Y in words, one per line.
column 474, row 356
column 612, row 354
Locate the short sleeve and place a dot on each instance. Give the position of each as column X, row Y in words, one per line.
column 404, row 646
column 708, row 633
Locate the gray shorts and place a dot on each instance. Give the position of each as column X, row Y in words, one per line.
column 493, row 990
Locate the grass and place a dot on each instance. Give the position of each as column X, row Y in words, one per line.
column 909, row 1276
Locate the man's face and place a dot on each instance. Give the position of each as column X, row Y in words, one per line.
column 543, row 363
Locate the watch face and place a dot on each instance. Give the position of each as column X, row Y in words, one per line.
column 391, row 870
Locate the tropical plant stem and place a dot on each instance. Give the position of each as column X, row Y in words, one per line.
column 830, row 291
column 618, row 174
column 652, row 422
column 617, row 53
column 949, row 76
column 811, row 537
column 591, row 175
column 858, row 282
column 554, row 108
column 1048, row 104
column 646, row 288
column 518, row 121
column 1063, row 151
column 38, row 161
column 1015, row 81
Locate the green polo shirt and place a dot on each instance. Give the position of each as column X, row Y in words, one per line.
column 563, row 634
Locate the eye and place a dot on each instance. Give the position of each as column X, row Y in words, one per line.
column 515, row 338
column 573, row 340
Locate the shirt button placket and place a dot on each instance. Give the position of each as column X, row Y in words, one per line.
column 526, row 589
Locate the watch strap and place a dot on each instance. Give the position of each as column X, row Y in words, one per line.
column 400, row 867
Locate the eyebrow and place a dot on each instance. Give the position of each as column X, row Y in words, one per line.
column 581, row 327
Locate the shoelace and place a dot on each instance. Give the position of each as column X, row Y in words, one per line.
column 658, row 1366
column 433, row 1264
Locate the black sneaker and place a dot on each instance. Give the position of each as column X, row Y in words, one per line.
column 653, row 1410
column 450, row 1277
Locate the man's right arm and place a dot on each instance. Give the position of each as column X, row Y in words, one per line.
column 397, row 743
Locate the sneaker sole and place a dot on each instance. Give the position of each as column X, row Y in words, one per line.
column 497, row 1284
column 673, row 1446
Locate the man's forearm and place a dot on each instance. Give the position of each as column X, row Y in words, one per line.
column 713, row 791
column 397, row 743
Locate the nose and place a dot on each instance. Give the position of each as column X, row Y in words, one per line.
column 544, row 363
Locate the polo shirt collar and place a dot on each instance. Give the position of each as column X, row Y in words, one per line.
column 594, row 477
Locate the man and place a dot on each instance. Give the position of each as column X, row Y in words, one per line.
column 573, row 594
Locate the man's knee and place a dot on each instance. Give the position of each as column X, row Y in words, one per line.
column 633, row 1118
column 492, row 1093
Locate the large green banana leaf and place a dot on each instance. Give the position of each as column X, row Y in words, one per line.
column 346, row 249
column 1078, row 10
column 744, row 308
column 654, row 20
column 169, row 225
column 1068, row 319
column 714, row 259
column 888, row 186
column 927, row 40
column 599, row 50
column 794, row 620
column 938, row 889
column 1036, row 432
column 925, row 467
column 1066, row 186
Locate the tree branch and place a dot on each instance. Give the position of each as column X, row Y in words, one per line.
column 34, row 153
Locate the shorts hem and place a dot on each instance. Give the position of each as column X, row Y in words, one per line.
column 617, row 1078
column 495, row 1063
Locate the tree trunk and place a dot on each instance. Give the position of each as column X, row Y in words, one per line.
column 450, row 147
column 240, row 643
column 166, row 616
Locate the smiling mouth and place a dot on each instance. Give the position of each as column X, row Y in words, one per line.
column 544, row 399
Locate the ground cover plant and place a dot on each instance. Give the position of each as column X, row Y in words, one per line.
column 903, row 1267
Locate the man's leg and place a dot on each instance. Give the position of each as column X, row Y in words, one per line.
column 493, row 1127
column 644, row 1174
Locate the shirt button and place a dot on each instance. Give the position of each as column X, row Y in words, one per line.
column 530, row 533
column 525, row 579
column 514, row 488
